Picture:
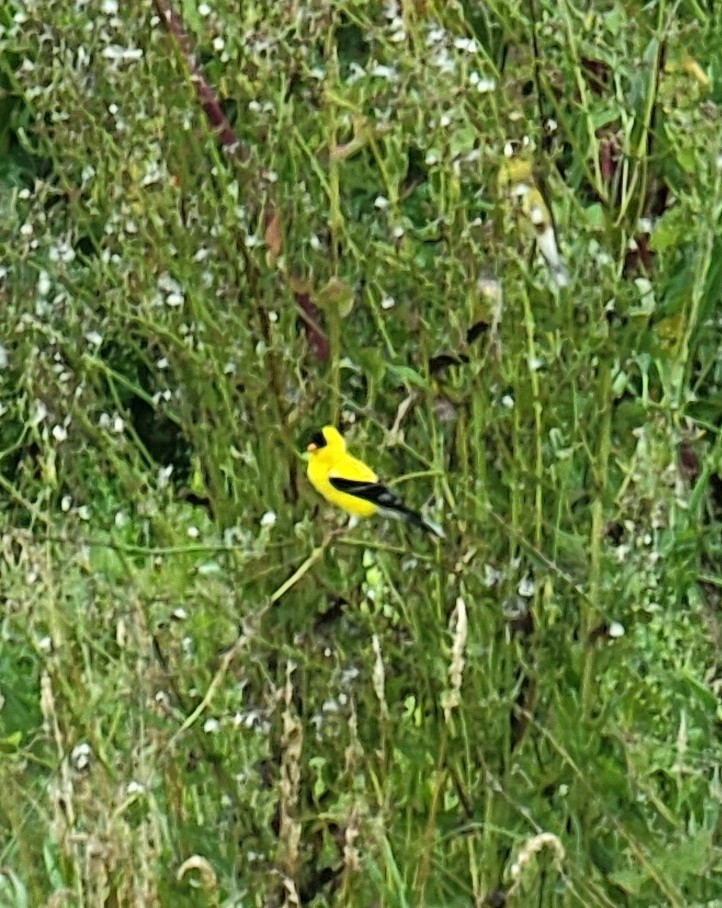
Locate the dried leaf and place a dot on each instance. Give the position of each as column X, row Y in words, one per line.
column 272, row 237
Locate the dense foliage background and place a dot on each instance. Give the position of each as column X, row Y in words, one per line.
column 213, row 693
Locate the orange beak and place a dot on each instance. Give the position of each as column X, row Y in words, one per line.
column 312, row 447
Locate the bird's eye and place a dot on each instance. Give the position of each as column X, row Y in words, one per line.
column 318, row 440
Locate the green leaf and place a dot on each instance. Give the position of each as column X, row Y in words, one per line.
column 630, row 880
column 408, row 376
column 372, row 363
column 13, row 893
column 669, row 230
column 11, row 743
column 594, row 215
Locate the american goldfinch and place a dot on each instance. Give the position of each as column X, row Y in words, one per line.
column 516, row 181
column 353, row 486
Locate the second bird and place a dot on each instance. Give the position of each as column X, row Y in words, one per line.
column 351, row 485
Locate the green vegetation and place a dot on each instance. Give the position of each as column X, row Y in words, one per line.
column 212, row 692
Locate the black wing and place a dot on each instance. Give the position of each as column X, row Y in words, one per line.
column 374, row 492
column 387, row 501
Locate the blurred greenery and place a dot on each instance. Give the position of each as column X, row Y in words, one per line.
column 212, row 692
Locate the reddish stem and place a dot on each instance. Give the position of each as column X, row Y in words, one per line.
column 214, row 112
column 227, row 139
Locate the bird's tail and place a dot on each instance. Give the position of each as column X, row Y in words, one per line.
column 413, row 517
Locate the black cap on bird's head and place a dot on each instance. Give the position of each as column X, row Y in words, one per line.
column 316, row 441
column 329, row 436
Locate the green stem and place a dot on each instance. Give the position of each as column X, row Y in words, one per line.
column 334, row 343
column 589, row 612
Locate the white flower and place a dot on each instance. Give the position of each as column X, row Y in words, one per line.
column 164, row 475
column 485, row 85
column 356, row 72
column 526, row 588
column 168, row 284
column 384, row 72
column 435, row 35
column 153, row 174
column 268, row 519
column 41, row 411
column 121, row 54
column 61, row 252
column 443, row 61
column 80, row 756
column 468, row 45
column 391, row 9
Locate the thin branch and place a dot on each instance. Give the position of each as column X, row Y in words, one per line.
column 217, row 119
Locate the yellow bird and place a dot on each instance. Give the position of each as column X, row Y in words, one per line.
column 516, row 181
column 351, row 485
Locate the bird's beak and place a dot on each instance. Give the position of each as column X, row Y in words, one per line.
column 311, row 448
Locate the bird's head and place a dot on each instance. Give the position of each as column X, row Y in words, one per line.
column 326, row 441
column 514, row 171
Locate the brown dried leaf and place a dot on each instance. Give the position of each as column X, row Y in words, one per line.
column 272, row 237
